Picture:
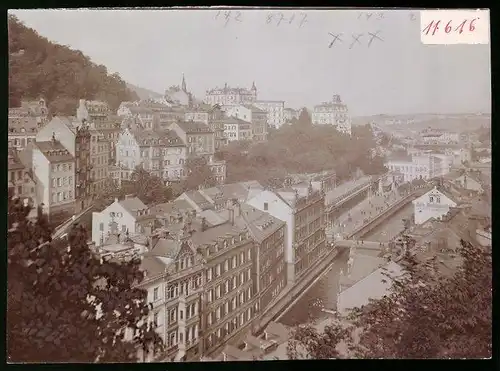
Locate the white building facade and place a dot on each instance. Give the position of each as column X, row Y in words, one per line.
column 275, row 111
column 333, row 113
column 433, row 204
column 228, row 96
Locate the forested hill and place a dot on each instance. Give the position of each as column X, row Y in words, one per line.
column 40, row 68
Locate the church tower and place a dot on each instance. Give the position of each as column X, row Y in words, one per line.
column 183, row 86
column 254, row 91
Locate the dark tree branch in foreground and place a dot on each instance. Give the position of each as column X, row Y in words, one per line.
column 425, row 316
column 54, row 290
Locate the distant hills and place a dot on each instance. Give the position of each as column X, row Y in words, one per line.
column 143, row 93
column 41, row 68
column 450, row 122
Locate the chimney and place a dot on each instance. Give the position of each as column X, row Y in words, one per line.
column 231, row 215
column 204, row 225
column 53, row 137
column 116, row 199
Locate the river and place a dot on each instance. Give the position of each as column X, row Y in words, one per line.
column 324, row 291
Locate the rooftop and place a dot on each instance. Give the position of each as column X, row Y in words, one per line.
column 132, row 205
column 54, row 151
column 194, row 127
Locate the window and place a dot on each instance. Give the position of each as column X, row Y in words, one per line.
column 59, row 196
column 209, row 274
column 155, row 293
column 54, row 197
column 226, row 265
column 155, row 318
column 172, row 316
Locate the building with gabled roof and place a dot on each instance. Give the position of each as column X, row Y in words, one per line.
column 434, row 204
column 131, row 215
column 54, row 170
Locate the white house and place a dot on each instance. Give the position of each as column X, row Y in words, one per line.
column 273, row 204
column 469, row 182
column 434, row 204
column 129, row 214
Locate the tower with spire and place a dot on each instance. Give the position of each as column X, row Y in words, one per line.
column 183, row 86
column 254, row 91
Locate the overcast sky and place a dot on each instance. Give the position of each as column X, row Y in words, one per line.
column 153, row 48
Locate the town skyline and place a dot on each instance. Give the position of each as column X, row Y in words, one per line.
column 415, row 78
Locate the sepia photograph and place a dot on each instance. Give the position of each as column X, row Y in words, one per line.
column 248, row 184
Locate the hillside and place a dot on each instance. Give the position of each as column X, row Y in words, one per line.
column 143, row 93
column 40, row 68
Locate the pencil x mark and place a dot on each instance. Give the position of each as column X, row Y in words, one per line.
column 356, row 40
column 373, row 37
column 335, row 38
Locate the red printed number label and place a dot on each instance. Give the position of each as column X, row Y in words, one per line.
column 454, row 27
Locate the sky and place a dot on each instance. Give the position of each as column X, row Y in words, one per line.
column 292, row 61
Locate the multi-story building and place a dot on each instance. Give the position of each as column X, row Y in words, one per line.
column 24, row 121
column 99, row 115
column 229, row 301
column 22, row 128
column 252, row 114
column 20, row 179
column 54, row 171
column 275, row 111
column 228, row 96
column 333, row 113
column 290, row 114
column 419, row 166
column 130, row 214
column 214, row 117
column 75, row 138
column 100, row 150
column 198, row 136
column 268, row 234
column 434, row 136
column 303, row 212
column 236, row 129
column 169, row 116
column 200, row 142
column 162, row 153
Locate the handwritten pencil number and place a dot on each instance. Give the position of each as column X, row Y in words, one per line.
column 269, row 18
column 433, row 26
column 447, row 29
column 237, row 18
column 304, row 19
column 471, row 25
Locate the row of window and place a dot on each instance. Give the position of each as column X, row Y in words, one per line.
column 62, row 167
column 62, row 181
column 62, row 196
column 229, row 264
column 184, row 287
column 229, row 285
column 229, row 327
column 231, row 305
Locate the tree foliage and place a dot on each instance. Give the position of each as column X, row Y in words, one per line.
column 425, row 315
column 149, row 188
column 298, row 148
column 38, row 67
column 49, row 315
column 198, row 174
